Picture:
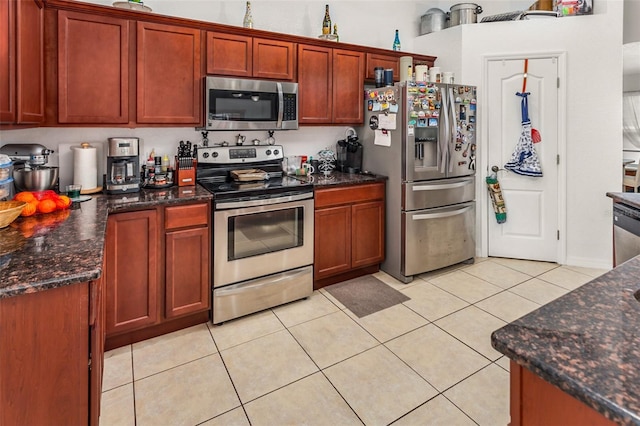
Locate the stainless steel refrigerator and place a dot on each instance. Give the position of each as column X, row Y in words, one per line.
column 423, row 137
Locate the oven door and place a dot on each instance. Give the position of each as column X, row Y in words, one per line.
column 252, row 241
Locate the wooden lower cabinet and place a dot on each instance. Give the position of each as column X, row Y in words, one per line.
column 349, row 232
column 534, row 401
column 132, row 256
column 187, row 252
column 158, row 271
column 51, row 356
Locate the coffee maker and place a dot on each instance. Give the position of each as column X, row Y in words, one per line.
column 349, row 153
column 123, row 166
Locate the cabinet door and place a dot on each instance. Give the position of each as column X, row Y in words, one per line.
column 367, row 234
column 21, row 62
column 387, row 62
column 348, row 87
column 132, row 270
column 93, row 69
column 187, row 272
column 7, row 61
column 332, row 242
column 30, row 62
column 169, row 75
column 315, row 86
column 96, row 315
column 229, row 54
column 273, row 59
column 44, row 338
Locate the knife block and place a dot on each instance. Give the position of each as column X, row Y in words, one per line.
column 186, row 177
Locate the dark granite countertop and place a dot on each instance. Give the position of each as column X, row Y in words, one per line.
column 66, row 247
column 586, row 342
column 629, row 198
column 342, row 179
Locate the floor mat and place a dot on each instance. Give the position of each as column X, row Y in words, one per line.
column 365, row 295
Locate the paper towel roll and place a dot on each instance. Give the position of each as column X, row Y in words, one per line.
column 85, row 166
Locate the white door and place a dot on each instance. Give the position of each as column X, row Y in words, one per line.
column 531, row 229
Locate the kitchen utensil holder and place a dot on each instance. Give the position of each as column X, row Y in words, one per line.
column 186, row 177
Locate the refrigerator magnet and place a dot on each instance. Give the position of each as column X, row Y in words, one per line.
column 433, row 122
column 369, row 105
column 410, row 131
column 393, row 108
column 376, row 106
column 373, row 122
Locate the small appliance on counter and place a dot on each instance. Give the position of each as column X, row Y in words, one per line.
column 123, row 166
column 349, row 153
column 29, row 170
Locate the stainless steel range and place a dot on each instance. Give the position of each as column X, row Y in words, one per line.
column 262, row 229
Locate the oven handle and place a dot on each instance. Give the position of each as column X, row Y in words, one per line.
column 227, row 205
column 440, row 215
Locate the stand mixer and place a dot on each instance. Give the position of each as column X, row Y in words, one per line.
column 29, row 170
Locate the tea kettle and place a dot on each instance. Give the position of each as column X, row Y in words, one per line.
column 240, row 139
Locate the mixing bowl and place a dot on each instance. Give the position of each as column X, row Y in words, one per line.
column 35, row 179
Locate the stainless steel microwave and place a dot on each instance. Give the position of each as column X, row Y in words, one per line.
column 241, row 104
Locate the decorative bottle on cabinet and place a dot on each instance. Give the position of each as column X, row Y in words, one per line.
column 326, row 22
column 335, row 32
column 248, row 19
column 396, row 42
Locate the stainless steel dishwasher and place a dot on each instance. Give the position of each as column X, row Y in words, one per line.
column 626, row 233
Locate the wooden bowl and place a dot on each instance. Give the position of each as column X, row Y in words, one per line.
column 9, row 211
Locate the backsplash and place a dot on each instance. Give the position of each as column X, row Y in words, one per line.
column 304, row 141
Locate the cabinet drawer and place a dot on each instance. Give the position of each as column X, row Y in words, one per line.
column 348, row 194
column 187, row 215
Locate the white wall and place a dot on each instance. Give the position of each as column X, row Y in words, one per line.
column 593, row 117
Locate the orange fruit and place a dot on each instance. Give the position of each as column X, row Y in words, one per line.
column 47, row 194
column 25, row 196
column 29, row 209
column 46, row 206
column 63, row 202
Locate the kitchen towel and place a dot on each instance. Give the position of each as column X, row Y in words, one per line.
column 85, row 166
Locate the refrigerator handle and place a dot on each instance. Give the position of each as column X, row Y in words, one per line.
column 454, row 125
column 443, row 143
column 440, row 215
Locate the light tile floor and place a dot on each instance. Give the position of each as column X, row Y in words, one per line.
column 428, row 361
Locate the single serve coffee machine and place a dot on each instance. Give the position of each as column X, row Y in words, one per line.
column 123, row 166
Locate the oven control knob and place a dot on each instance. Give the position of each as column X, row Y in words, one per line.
column 215, row 154
column 205, row 154
column 276, row 152
column 268, row 152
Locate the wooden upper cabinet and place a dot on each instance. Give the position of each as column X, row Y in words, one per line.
column 229, row 54
column 21, row 62
column 274, row 59
column 315, row 84
column 7, row 61
column 348, row 87
column 244, row 56
column 387, row 62
column 169, row 74
column 93, row 69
